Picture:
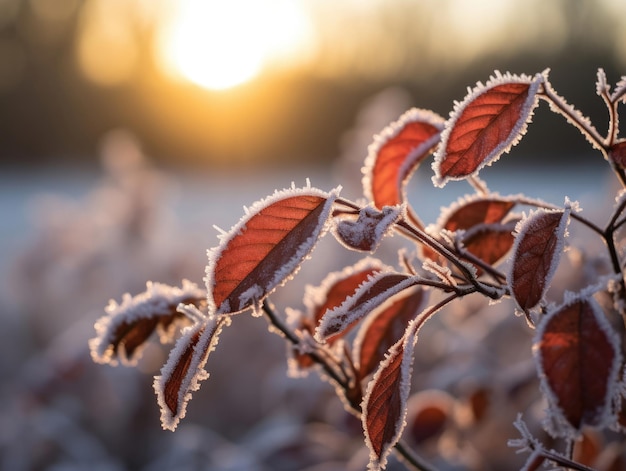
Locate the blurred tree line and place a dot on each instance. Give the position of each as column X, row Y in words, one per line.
column 52, row 111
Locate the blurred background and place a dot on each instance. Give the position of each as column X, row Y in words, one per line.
column 128, row 128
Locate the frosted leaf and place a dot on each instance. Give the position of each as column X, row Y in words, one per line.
column 578, row 358
column 184, row 369
column 385, row 402
column 385, row 327
column 486, row 124
column 396, row 153
column 375, row 291
column 366, row 233
column 266, row 248
column 539, row 243
column 122, row 333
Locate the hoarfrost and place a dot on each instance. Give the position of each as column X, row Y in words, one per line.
column 173, row 387
column 158, row 301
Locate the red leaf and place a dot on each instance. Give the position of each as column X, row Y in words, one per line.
column 473, row 211
column 385, row 402
column 617, row 154
column 185, row 369
column 491, row 119
column 371, row 294
column 379, row 332
column 489, row 242
column 332, row 292
column 578, row 358
column 266, row 248
column 429, row 412
column 124, row 331
column 396, row 153
column 538, row 247
column 338, row 286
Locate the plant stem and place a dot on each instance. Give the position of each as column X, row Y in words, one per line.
column 408, row 455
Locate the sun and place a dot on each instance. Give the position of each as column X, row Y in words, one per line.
column 221, row 44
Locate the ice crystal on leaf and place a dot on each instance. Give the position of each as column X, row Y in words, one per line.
column 578, row 357
column 184, row 369
column 487, row 123
column 266, row 248
column 123, row 332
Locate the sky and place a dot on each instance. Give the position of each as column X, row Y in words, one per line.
column 212, row 82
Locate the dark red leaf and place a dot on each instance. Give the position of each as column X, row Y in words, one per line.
column 472, row 212
column 490, row 242
column 382, row 330
column 396, row 153
column 538, row 248
column 385, row 403
column 371, row 294
column 124, row 331
column 429, row 412
column 617, row 154
column 577, row 355
column 185, row 369
column 266, row 248
column 490, row 120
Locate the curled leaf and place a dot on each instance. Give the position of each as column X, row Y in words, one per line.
column 367, row 231
column 266, row 248
column 184, row 368
column 578, row 359
column 538, row 246
column 491, row 119
column 396, row 153
column 371, row 294
column 123, row 332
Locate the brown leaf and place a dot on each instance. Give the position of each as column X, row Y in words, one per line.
column 429, row 412
column 491, row 119
column 385, row 402
column 617, row 154
column 396, row 153
column 266, row 248
column 371, row 294
column 473, row 211
column 184, row 369
column 489, row 242
column 380, row 331
column 578, row 357
column 124, row 331
column 538, row 247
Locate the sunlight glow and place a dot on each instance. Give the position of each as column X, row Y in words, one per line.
column 221, row 44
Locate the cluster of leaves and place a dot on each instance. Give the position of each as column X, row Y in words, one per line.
column 361, row 324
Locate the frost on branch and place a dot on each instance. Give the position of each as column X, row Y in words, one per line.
column 491, row 119
column 371, row 294
column 578, row 359
column 266, row 248
column 184, row 368
column 396, row 153
column 366, row 233
column 539, row 243
column 122, row 333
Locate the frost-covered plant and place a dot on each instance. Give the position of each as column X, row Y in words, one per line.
column 360, row 325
